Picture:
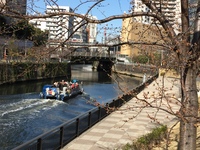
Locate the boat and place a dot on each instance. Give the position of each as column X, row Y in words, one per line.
column 61, row 90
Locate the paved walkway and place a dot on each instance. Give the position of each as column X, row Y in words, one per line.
column 132, row 120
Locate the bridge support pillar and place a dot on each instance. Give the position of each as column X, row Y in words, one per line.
column 105, row 66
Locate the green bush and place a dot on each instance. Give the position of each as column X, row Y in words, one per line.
column 142, row 59
column 147, row 141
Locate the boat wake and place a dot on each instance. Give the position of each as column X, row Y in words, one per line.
column 30, row 117
column 26, row 105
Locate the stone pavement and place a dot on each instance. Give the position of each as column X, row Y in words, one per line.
column 132, row 120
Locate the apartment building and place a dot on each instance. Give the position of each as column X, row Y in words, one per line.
column 142, row 29
column 170, row 8
column 92, row 30
column 85, row 32
column 138, row 33
column 39, row 23
column 138, row 6
column 80, row 31
column 13, row 7
column 59, row 26
column 172, row 11
column 65, row 28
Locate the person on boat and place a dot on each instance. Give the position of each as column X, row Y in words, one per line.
column 76, row 85
column 55, row 84
column 74, row 81
column 61, row 85
column 72, row 85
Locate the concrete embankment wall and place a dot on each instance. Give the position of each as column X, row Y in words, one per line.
column 14, row 72
column 137, row 70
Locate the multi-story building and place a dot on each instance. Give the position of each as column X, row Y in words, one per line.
column 80, row 31
column 92, row 30
column 86, row 32
column 138, row 6
column 142, row 29
column 13, row 7
column 39, row 23
column 170, row 8
column 137, row 34
column 65, row 28
column 59, row 26
column 172, row 11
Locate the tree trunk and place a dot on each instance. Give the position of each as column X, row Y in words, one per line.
column 189, row 99
column 189, row 110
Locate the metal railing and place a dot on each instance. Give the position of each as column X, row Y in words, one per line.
column 60, row 136
column 63, row 134
column 92, row 55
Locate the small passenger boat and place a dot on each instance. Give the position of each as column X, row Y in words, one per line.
column 62, row 90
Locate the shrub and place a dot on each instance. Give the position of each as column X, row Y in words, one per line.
column 147, row 141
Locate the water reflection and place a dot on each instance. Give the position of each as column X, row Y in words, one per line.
column 81, row 72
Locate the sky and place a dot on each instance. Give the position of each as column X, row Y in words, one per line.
column 106, row 9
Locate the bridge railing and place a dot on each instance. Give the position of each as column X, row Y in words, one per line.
column 93, row 54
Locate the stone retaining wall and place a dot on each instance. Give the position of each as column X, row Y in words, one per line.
column 14, row 72
column 135, row 69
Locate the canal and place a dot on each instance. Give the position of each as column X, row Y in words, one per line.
column 24, row 116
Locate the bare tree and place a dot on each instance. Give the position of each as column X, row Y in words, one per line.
column 188, row 55
column 184, row 46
